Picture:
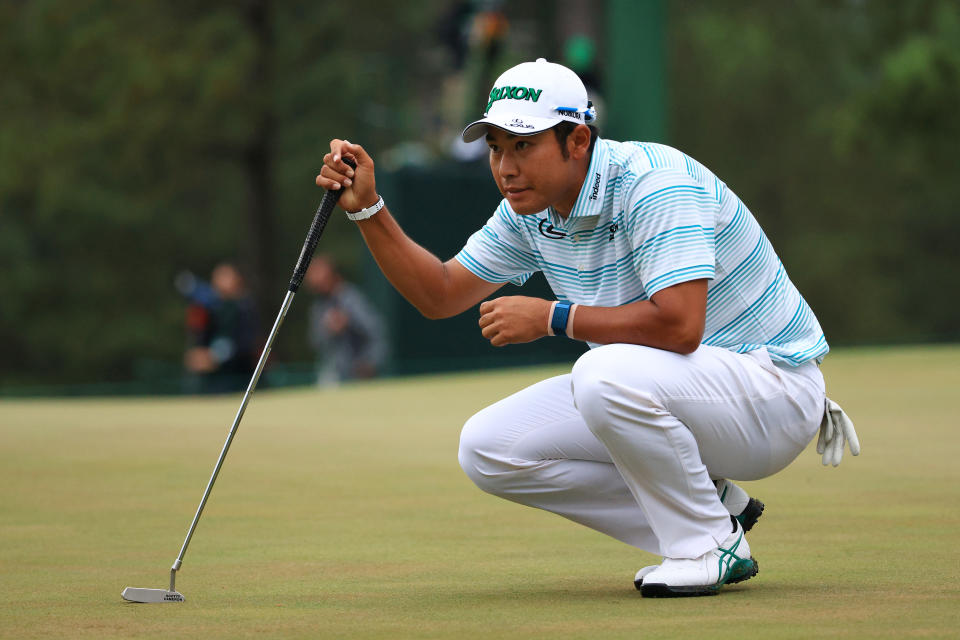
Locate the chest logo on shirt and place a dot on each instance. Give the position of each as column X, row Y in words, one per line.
column 547, row 230
column 613, row 229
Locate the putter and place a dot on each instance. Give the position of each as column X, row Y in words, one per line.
column 330, row 198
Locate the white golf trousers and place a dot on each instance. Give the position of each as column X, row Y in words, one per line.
column 629, row 442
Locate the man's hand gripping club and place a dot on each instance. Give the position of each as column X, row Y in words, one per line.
column 437, row 289
column 359, row 185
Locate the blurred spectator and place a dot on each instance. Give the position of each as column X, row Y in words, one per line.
column 345, row 330
column 453, row 29
column 222, row 331
column 475, row 32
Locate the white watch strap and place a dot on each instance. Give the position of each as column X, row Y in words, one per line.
column 363, row 214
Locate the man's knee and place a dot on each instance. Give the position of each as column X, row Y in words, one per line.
column 604, row 377
column 587, row 382
column 475, row 453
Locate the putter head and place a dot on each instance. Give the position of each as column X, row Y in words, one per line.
column 133, row 594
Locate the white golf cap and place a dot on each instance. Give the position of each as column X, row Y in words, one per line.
column 532, row 97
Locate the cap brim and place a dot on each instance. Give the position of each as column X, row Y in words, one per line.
column 525, row 126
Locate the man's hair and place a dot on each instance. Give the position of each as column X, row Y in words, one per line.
column 563, row 130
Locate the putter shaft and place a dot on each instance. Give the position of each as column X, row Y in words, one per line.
column 319, row 223
column 233, row 430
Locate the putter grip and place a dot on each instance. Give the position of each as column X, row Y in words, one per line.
column 329, row 201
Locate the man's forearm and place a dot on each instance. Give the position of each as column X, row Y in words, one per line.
column 417, row 274
column 636, row 323
column 437, row 289
column 673, row 319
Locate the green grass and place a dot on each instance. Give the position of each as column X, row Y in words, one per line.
column 343, row 513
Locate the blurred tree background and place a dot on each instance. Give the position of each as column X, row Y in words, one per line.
column 837, row 123
column 139, row 139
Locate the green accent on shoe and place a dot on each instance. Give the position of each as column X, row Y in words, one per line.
column 738, row 569
column 728, row 557
column 744, row 569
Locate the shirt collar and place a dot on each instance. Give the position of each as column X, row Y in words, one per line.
column 590, row 200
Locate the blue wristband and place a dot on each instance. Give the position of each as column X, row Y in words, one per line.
column 559, row 320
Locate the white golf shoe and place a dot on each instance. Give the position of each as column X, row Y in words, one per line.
column 729, row 563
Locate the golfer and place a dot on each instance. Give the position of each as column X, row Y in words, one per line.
column 704, row 360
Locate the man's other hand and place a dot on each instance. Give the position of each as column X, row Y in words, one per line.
column 514, row 319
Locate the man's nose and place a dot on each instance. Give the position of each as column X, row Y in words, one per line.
column 507, row 168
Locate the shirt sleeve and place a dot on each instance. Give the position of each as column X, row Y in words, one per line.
column 499, row 252
column 671, row 220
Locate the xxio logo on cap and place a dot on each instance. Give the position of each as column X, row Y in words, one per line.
column 513, row 93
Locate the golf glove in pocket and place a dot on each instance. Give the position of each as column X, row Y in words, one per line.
column 835, row 430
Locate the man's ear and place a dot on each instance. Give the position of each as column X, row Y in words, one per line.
column 578, row 143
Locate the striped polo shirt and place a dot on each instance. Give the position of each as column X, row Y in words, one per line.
column 649, row 217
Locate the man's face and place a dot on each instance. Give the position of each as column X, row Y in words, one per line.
column 227, row 281
column 321, row 277
column 531, row 171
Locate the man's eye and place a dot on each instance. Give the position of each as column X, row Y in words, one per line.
column 493, row 148
column 522, row 144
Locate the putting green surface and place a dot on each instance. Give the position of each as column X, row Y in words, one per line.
column 344, row 513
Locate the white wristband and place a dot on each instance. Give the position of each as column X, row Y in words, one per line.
column 363, row 214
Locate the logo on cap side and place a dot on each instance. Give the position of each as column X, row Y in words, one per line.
column 570, row 112
column 513, row 93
